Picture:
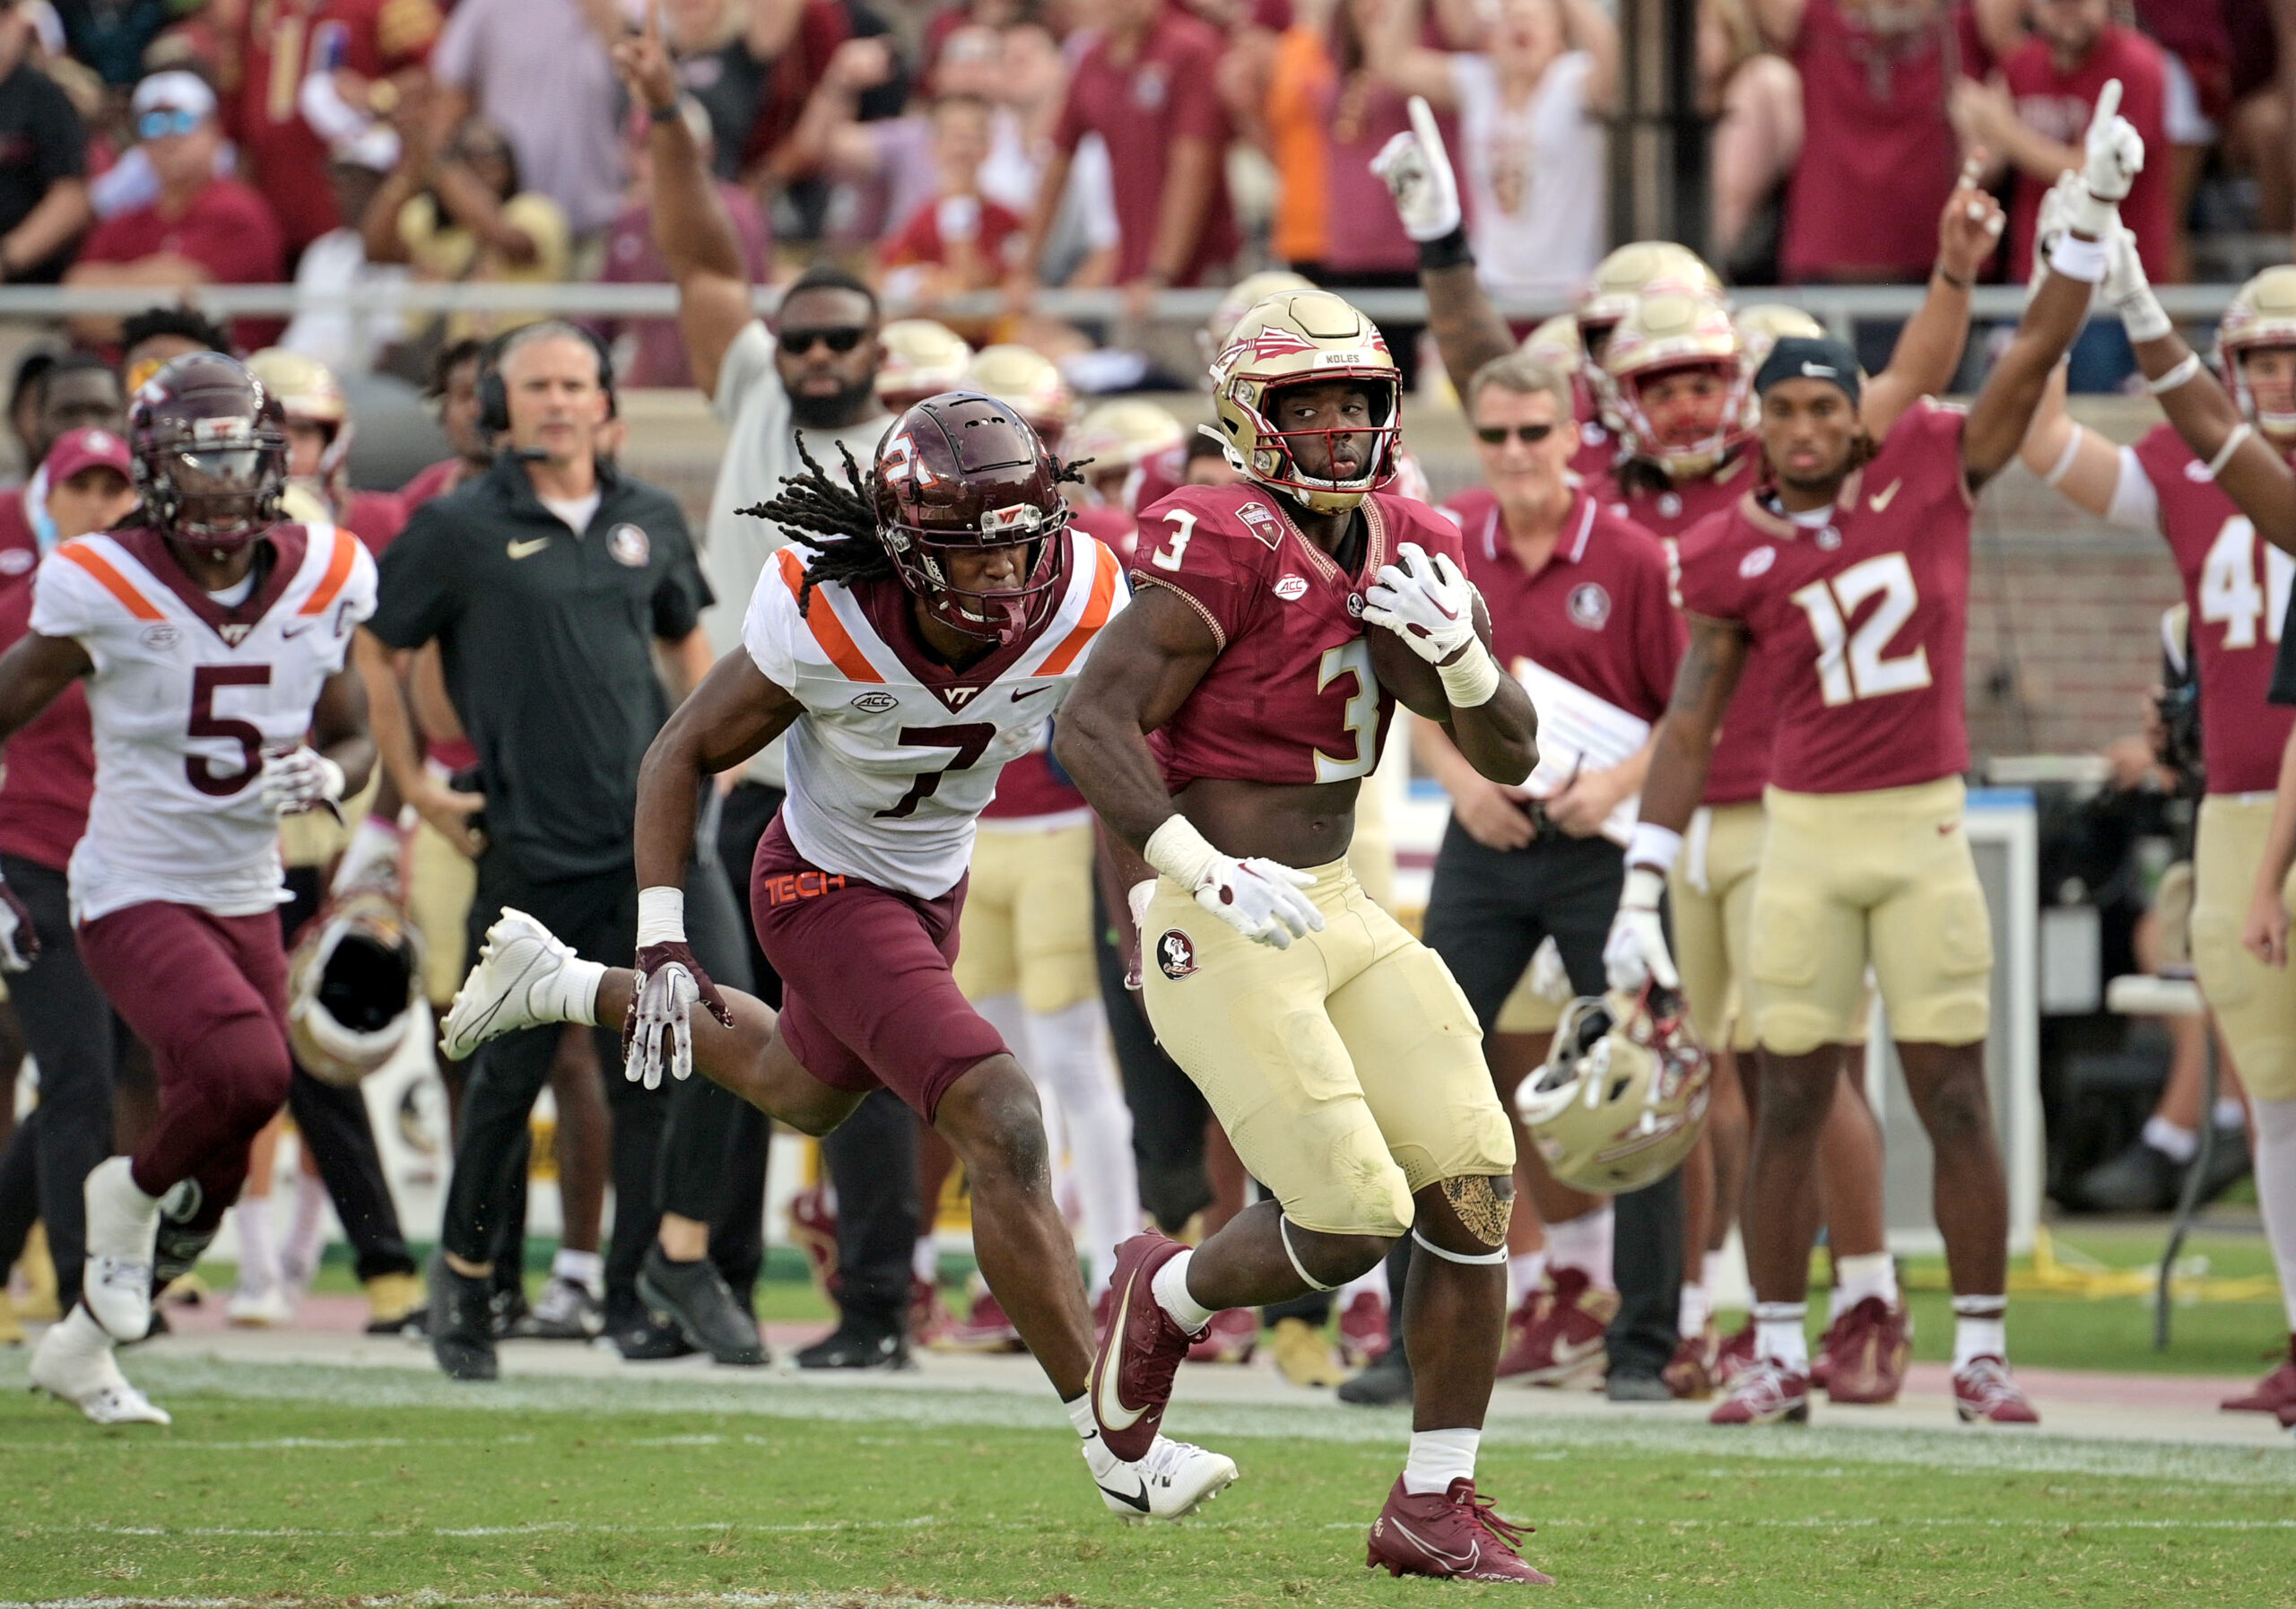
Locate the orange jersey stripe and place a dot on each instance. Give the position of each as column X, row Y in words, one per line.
column 338, row 571
column 111, row 581
column 826, row 628
column 1096, row 615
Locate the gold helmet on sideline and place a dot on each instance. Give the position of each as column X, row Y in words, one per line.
column 923, row 358
column 1299, row 338
column 351, row 987
column 1676, row 326
column 1114, row 438
column 309, row 394
column 2263, row 313
column 1026, row 381
column 1620, row 278
column 1557, row 342
column 1241, row 297
column 1619, row 1103
column 1767, row 323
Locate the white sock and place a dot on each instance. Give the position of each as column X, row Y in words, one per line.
column 1170, row 1288
column 1526, row 1272
column 2229, row 1112
column 1868, row 1273
column 1438, row 1458
column 2177, row 1143
column 1068, row 1050
column 1779, row 1334
column 925, row 1260
column 1980, row 1329
column 1583, row 1243
column 587, row 1269
column 571, row 994
column 1097, row 1457
column 309, row 1226
column 1697, row 1307
column 2274, row 1144
column 258, row 1252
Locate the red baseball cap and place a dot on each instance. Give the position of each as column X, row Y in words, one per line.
column 78, row 450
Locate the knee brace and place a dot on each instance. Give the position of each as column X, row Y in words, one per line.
column 1482, row 1210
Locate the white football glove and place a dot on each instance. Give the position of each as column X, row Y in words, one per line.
column 1417, row 172
column 1425, row 599
column 2114, row 157
column 1635, row 951
column 300, row 779
column 19, row 943
column 2128, row 292
column 1261, row 898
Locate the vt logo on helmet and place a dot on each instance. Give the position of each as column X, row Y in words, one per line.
column 209, row 443
column 1293, row 339
column 1619, row 1102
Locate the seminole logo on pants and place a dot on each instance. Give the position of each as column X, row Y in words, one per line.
column 1175, row 954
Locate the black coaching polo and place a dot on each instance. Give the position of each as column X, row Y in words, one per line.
column 547, row 640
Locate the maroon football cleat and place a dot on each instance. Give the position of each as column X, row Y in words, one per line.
column 1133, row 1370
column 1871, row 1344
column 1735, row 1357
column 1564, row 1337
column 1525, row 1330
column 1454, row 1534
column 984, row 1329
column 1689, row 1374
column 1767, row 1393
column 1984, row 1394
column 2274, row 1392
column 812, row 1225
column 1364, row 1330
column 929, row 1318
column 1231, row 1337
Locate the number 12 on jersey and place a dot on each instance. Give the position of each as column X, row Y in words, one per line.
column 1854, row 664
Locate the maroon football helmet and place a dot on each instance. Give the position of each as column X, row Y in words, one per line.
column 961, row 471
column 209, row 444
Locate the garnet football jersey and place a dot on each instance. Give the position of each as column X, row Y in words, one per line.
column 1859, row 623
column 896, row 754
column 1292, row 698
column 2236, row 584
column 50, row 773
column 187, row 697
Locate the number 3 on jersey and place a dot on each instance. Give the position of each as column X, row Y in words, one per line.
column 2229, row 596
column 1362, row 716
column 1853, row 664
column 1167, row 557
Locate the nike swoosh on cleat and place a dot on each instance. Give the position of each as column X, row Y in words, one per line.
column 1466, row 1561
column 1107, row 1401
column 1128, row 1498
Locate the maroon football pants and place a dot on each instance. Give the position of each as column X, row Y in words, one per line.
column 208, row 994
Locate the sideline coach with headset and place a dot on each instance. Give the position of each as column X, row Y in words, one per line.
column 562, row 594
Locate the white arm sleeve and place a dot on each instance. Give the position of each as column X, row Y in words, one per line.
column 2135, row 505
column 768, row 626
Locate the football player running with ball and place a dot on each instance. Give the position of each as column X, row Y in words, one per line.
column 1221, row 732
column 1843, row 581
column 212, row 638
column 945, row 610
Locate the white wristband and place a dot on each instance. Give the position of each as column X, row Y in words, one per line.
column 2076, row 258
column 2142, row 318
column 1471, row 679
column 1651, row 845
column 661, row 917
column 1179, row 851
column 1642, row 890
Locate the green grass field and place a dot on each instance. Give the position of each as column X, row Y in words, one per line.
column 329, row 1484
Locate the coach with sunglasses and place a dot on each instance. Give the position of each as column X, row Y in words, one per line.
column 1580, row 609
column 814, row 374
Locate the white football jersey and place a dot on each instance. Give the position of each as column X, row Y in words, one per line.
column 187, row 697
column 894, row 760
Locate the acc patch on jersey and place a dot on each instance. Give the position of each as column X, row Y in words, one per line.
column 1291, row 588
column 627, row 544
column 1756, row 562
column 874, row 703
column 1175, row 954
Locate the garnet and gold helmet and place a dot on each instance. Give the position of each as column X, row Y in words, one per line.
column 209, row 443
column 1304, row 338
column 2262, row 313
column 1623, row 275
column 1765, row 323
column 1116, row 437
column 1676, row 326
column 1241, row 297
column 1025, row 378
column 923, row 358
column 309, row 394
column 1557, row 343
column 1619, row 1103
column 964, row 471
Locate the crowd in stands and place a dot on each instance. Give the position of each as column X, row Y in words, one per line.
column 963, row 146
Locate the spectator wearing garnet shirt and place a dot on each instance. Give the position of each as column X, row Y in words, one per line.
column 201, row 230
column 2036, row 112
column 1149, row 87
column 959, row 241
column 1879, row 155
column 43, row 160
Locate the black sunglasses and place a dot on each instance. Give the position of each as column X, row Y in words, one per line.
column 1495, row 435
column 842, row 337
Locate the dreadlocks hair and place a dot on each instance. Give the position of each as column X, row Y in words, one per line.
column 814, row 502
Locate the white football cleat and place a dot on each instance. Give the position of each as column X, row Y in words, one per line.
column 266, row 1310
column 510, row 989
column 74, row 1363
column 123, row 1222
column 1169, row 1482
